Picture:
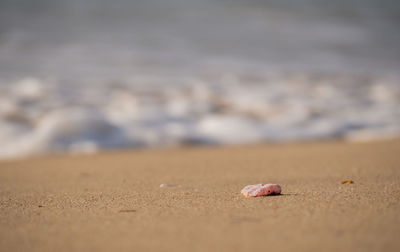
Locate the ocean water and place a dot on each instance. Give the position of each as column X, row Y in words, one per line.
column 81, row 76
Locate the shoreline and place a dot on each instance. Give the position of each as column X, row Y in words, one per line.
column 187, row 147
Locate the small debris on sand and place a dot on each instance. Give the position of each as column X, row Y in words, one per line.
column 166, row 185
column 347, row 182
column 261, row 190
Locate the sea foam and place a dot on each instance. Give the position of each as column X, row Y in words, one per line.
column 36, row 117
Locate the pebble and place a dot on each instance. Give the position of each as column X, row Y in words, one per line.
column 261, row 190
column 165, row 185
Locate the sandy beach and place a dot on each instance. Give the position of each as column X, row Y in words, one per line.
column 135, row 125
column 113, row 201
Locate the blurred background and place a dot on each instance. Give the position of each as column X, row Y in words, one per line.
column 81, row 76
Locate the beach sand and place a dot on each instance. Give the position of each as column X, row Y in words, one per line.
column 113, row 201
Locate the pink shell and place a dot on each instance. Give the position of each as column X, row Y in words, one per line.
column 261, row 190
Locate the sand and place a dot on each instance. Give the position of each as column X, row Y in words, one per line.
column 113, row 201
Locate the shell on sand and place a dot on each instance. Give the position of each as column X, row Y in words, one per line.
column 261, row 190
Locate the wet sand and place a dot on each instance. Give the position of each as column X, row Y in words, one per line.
column 113, row 201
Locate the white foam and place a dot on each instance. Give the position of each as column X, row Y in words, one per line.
column 225, row 129
column 38, row 117
column 28, row 88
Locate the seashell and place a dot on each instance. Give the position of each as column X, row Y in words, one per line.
column 261, row 190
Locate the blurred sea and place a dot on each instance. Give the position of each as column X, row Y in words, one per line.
column 79, row 76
